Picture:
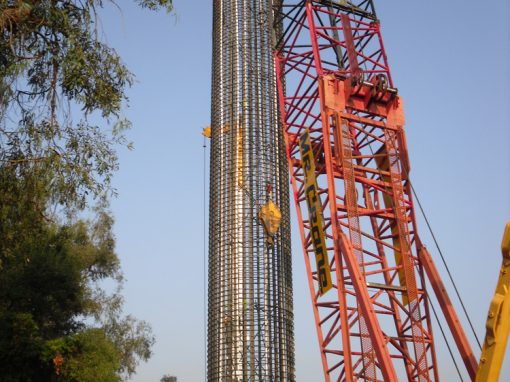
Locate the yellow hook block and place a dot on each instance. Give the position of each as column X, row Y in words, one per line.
column 206, row 132
column 270, row 217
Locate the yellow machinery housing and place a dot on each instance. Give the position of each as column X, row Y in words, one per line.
column 498, row 321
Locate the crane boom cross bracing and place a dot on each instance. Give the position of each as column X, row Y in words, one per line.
column 337, row 97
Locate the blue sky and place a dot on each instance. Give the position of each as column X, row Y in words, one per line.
column 450, row 61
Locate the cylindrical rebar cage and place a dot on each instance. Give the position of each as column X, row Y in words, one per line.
column 250, row 319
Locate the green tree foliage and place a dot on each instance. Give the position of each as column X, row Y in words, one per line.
column 53, row 63
column 61, row 94
column 56, row 320
column 86, row 356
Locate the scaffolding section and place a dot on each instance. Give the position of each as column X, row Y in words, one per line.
column 250, row 319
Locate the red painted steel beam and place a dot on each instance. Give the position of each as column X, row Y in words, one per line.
column 360, row 286
column 449, row 312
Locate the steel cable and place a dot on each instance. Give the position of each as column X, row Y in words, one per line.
column 429, row 300
column 204, row 180
column 446, row 340
column 440, row 253
column 444, row 263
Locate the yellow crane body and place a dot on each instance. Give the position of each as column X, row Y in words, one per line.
column 498, row 321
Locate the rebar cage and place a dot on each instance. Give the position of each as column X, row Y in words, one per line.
column 250, row 314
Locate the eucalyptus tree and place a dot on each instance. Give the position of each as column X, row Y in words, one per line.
column 62, row 89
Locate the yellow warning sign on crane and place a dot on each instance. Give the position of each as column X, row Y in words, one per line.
column 315, row 213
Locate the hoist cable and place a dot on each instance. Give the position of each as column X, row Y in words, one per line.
column 439, row 250
column 445, row 340
column 205, row 253
column 444, row 262
column 442, row 258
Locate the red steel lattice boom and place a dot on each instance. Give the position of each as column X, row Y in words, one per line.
column 346, row 148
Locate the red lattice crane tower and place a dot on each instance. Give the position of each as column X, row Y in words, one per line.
column 346, row 148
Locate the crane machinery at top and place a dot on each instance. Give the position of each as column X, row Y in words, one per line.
column 310, row 80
